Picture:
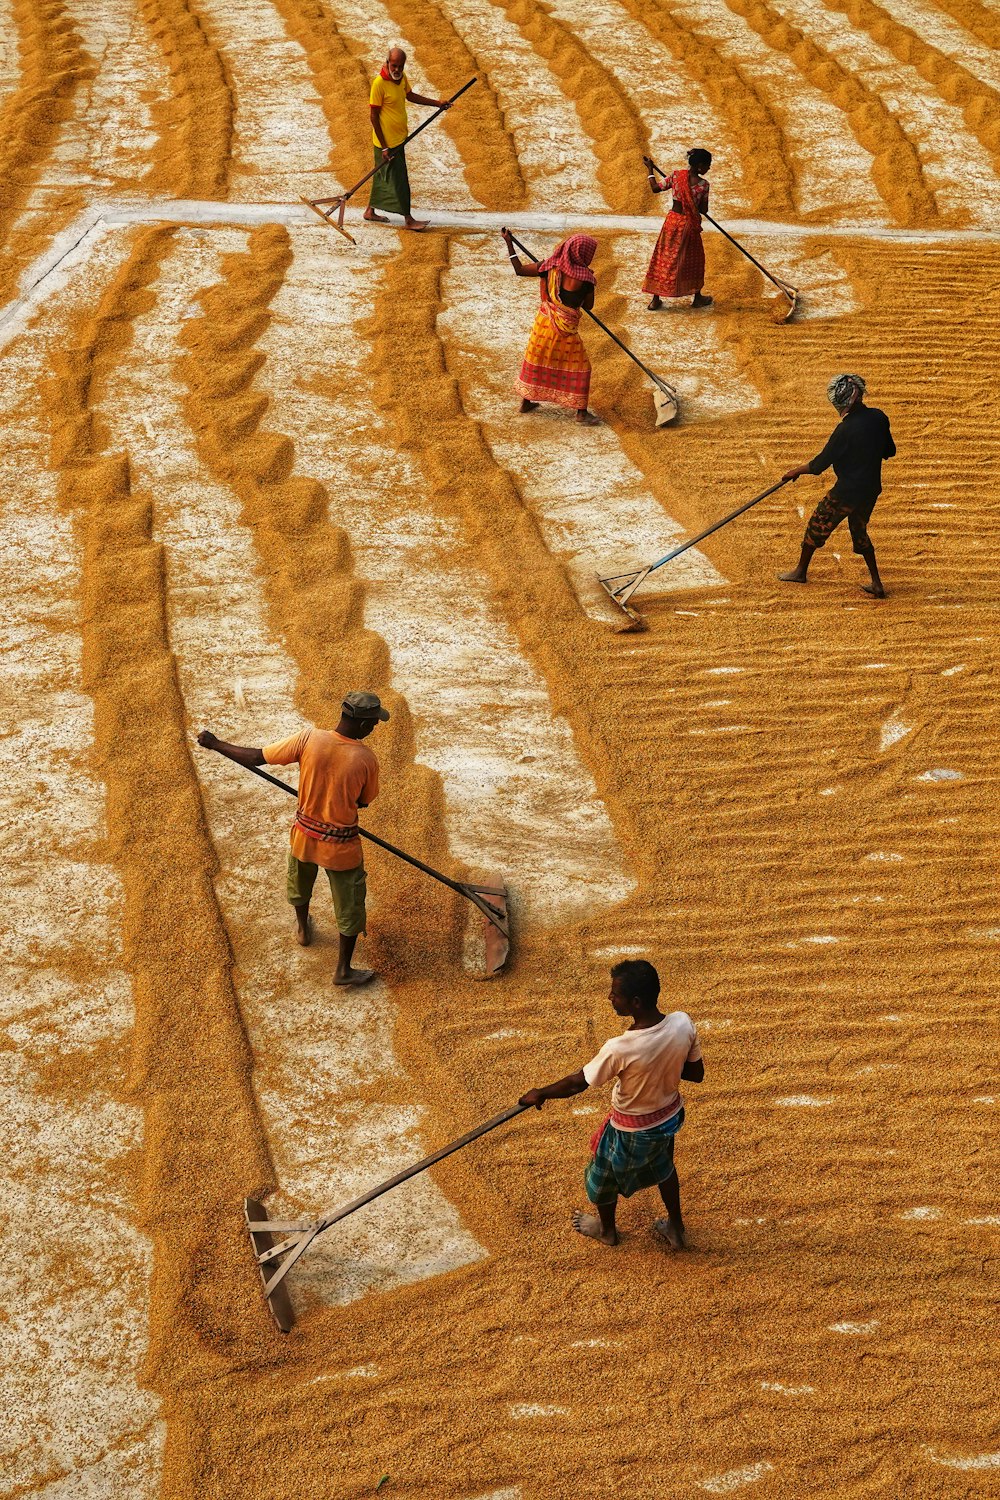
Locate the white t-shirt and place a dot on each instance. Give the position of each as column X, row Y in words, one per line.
column 646, row 1065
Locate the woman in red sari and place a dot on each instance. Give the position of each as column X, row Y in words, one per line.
column 555, row 366
column 678, row 265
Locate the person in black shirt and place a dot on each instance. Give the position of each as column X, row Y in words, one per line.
column 856, row 449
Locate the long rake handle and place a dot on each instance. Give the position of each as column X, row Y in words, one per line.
column 421, row 1166
column 693, row 541
column 656, row 379
column 718, row 525
column 422, row 126
column 781, row 285
column 418, row 864
column 296, row 1246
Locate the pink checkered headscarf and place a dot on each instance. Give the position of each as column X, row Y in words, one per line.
column 572, row 257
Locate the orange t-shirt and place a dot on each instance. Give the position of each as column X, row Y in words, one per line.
column 335, row 774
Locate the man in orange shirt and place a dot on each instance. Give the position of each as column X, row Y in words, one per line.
column 337, row 775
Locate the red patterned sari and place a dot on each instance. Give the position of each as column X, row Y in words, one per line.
column 677, row 267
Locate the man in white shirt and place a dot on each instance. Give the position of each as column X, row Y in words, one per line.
column 634, row 1148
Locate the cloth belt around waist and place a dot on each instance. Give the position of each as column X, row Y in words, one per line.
column 325, row 833
column 622, row 1121
column 635, row 1123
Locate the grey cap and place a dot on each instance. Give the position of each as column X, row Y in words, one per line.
column 365, row 706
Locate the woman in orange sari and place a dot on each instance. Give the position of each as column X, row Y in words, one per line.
column 678, row 265
column 555, row 366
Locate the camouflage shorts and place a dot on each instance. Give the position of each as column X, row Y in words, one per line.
column 827, row 517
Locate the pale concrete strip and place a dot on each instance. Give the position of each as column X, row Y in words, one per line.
column 935, row 127
column 593, row 506
column 555, row 153
column 518, row 796
column 75, row 1420
column 65, row 257
column 320, row 1053
column 67, row 253
column 207, row 211
column 281, row 141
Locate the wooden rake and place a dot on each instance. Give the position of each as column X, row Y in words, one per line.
column 620, row 587
column 494, row 910
column 275, row 1256
column 326, row 208
column 784, row 287
column 665, row 398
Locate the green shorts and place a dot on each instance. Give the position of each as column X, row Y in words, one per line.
column 347, row 887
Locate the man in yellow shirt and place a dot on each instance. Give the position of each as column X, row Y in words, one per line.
column 387, row 105
column 337, row 775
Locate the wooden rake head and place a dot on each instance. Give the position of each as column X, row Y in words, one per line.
column 666, row 402
column 620, row 590
column 786, row 305
column 491, row 896
column 325, row 208
column 265, row 1235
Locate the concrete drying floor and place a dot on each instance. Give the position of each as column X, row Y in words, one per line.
column 246, row 467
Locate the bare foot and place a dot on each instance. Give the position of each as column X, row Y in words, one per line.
column 304, row 932
column 794, row 577
column 672, row 1233
column 876, row 590
column 587, row 419
column 417, row 225
column 527, row 405
column 699, row 301
column 590, row 1226
column 654, row 305
column 354, row 976
column 371, row 217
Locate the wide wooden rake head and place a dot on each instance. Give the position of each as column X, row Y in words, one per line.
column 326, row 209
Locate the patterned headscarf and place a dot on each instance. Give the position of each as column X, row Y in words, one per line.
column 572, row 257
column 843, row 390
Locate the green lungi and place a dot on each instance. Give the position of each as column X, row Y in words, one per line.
column 391, row 186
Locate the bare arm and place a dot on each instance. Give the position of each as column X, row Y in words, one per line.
column 563, row 1088
column 432, row 103
column 375, row 110
column 519, row 268
column 693, row 1072
column 654, row 182
column 243, row 755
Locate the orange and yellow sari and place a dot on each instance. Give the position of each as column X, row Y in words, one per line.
column 555, row 366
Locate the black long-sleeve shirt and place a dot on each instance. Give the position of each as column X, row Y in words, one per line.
column 856, row 448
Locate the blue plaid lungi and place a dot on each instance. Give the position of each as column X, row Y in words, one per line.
column 626, row 1161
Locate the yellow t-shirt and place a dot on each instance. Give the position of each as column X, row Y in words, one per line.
column 335, row 774
column 391, row 98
